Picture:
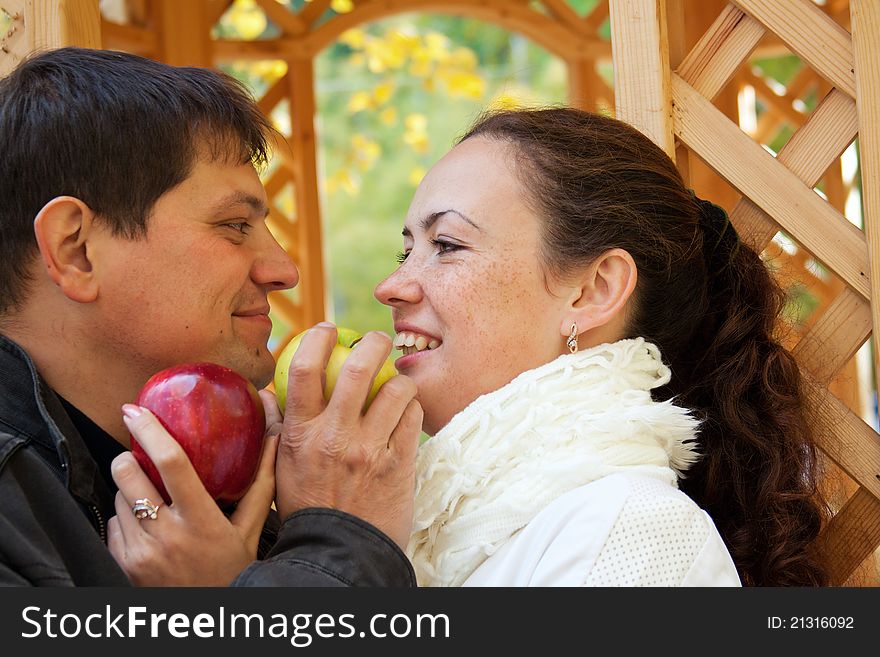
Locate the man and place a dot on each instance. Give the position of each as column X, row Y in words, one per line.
column 132, row 238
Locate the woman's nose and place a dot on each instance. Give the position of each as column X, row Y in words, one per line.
column 401, row 286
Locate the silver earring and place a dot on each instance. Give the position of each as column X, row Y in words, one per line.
column 572, row 341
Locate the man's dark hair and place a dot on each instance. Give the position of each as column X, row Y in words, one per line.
column 114, row 130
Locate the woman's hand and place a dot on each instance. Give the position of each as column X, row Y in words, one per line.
column 190, row 542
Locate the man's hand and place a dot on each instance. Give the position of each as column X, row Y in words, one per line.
column 190, row 542
column 330, row 455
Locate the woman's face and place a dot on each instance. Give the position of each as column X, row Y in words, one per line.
column 471, row 296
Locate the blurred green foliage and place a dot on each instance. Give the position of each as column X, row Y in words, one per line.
column 362, row 230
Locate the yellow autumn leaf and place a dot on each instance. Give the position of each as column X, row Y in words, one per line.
column 359, row 101
column 464, row 58
column 366, row 152
column 418, row 141
column 415, row 132
column 462, row 84
column 415, row 175
column 437, row 46
column 353, row 38
column 403, row 41
column 373, row 49
column 504, row 101
column 393, row 53
column 382, row 92
column 269, row 69
column 416, row 122
column 388, row 116
column 342, row 6
column 343, row 179
column 246, row 18
column 420, row 64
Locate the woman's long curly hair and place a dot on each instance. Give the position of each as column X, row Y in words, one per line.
column 708, row 302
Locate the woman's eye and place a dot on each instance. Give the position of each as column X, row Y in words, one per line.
column 443, row 246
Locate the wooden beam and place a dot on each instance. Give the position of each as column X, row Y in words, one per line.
column 829, row 130
column 865, row 17
column 289, row 22
column 779, row 192
column 585, row 85
column 851, row 536
column 687, row 23
column 185, row 33
column 593, row 21
column 137, row 40
column 518, row 16
column 835, row 337
column 302, row 141
column 58, row 23
column 641, row 68
column 845, row 438
column 563, row 13
column 214, row 10
column 811, row 34
column 274, row 95
column 713, row 62
column 312, row 11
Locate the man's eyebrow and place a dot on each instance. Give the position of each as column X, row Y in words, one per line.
column 241, row 198
column 432, row 218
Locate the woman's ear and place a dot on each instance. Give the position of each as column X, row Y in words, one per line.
column 63, row 228
column 599, row 299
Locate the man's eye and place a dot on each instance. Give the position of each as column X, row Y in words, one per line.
column 241, row 226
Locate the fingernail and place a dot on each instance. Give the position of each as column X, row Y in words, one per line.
column 131, row 411
column 326, row 324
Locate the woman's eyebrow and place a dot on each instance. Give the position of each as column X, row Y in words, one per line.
column 431, row 219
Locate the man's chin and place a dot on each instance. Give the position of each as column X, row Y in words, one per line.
column 258, row 366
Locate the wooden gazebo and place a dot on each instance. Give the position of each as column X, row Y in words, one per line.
column 681, row 69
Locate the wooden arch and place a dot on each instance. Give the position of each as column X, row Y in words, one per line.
column 679, row 67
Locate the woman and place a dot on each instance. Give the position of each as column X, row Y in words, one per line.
column 594, row 355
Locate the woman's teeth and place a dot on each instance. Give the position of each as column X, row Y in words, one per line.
column 410, row 343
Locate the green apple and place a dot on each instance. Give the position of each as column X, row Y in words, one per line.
column 345, row 340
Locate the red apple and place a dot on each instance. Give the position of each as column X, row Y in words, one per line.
column 216, row 416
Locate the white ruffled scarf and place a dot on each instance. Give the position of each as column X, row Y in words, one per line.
column 552, row 429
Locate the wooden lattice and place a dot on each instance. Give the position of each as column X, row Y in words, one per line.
column 671, row 101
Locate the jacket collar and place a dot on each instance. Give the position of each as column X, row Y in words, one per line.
column 30, row 412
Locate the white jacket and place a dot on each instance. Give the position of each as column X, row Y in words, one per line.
column 620, row 530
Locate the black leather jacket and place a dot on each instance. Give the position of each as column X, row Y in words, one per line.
column 54, row 508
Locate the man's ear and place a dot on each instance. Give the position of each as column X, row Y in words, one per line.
column 63, row 228
column 600, row 297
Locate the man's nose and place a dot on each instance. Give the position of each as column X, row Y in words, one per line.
column 275, row 268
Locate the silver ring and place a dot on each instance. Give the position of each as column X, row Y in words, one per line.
column 144, row 508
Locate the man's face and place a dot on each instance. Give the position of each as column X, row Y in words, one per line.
column 195, row 288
